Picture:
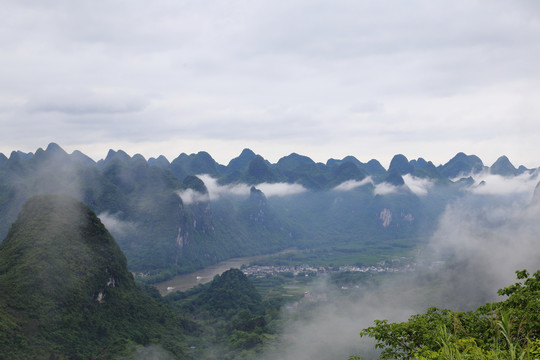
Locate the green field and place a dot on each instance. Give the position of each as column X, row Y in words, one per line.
column 351, row 253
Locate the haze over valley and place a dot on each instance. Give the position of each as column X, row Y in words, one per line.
column 262, row 180
column 348, row 242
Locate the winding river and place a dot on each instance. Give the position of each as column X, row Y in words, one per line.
column 187, row 281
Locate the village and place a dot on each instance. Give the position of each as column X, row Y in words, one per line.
column 259, row 271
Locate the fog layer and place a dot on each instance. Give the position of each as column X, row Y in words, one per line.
column 480, row 241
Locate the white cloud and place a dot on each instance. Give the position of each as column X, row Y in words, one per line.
column 490, row 184
column 280, row 189
column 417, row 185
column 115, row 225
column 385, row 189
column 352, row 184
column 190, row 196
column 493, row 237
column 329, row 329
column 216, row 190
column 483, row 243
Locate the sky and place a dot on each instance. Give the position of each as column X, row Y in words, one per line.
column 323, row 79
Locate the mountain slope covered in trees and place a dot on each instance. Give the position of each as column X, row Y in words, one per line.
column 167, row 220
column 66, row 293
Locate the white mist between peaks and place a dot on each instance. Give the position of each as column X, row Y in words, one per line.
column 481, row 240
column 417, row 185
column 491, row 184
column 115, row 225
column 216, row 190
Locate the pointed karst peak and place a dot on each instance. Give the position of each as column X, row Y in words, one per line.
column 54, row 230
column 349, row 158
column 3, row 159
column 503, row 167
column 14, row 156
column 55, row 148
column 120, row 155
column 53, row 153
column 80, row 157
column 67, row 276
column 259, row 171
column 15, row 162
column 194, row 183
column 161, row 162
column 394, row 178
column 461, row 165
column 202, row 163
column 247, row 153
column 241, row 162
column 58, row 252
column 400, row 164
column 139, row 157
column 374, row 167
column 204, row 156
column 256, row 193
column 162, row 158
column 347, row 171
column 294, row 161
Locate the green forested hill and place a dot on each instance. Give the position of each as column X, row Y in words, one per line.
column 66, row 293
column 235, row 321
column 163, row 233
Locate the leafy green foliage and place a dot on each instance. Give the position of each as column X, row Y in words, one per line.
column 65, row 289
column 504, row 330
column 161, row 236
column 234, row 321
column 228, row 293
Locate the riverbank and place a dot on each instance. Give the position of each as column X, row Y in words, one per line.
column 187, row 281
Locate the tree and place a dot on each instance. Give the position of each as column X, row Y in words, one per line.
column 503, row 330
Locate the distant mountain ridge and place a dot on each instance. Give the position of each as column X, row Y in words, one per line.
column 252, row 168
column 163, row 234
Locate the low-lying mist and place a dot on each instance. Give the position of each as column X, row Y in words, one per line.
column 479, row 243
column 418, row 186
column 217, row 190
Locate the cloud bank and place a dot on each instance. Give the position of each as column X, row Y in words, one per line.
column 417, row 185
column 490, row 184
column 216, row 190
column 115, row 225
column 482, row 239
column 493, row 238
column 352, row 184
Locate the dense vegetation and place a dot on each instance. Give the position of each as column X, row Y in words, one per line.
column 509, row 329
column 234, row 320
column 164, row 232
column 66, row 293
column 163, row 235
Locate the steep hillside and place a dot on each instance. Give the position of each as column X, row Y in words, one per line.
column 65, row 291
column 167, row 220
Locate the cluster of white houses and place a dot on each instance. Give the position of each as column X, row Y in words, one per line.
column 260, row 271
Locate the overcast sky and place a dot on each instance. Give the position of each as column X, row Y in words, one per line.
column 320, row 78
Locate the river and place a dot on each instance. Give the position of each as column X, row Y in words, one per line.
column 187, row 281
